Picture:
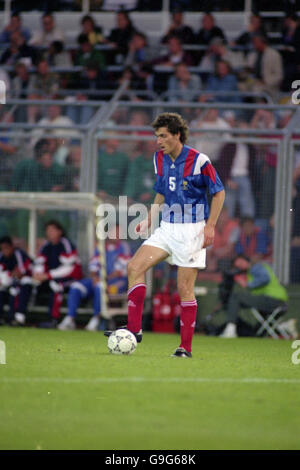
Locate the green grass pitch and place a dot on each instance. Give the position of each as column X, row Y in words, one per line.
column 64, row 390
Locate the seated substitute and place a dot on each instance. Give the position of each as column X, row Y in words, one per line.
column 15, row 281
column 261, row 290
column 55, row 268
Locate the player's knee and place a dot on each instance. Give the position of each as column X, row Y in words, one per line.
column 134, row 269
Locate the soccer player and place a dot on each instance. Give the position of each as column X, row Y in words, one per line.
column 183, row 176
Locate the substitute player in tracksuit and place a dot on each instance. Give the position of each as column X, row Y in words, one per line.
column 183, row 176
column 117, row 257
column 15, row 280
column 55, row 268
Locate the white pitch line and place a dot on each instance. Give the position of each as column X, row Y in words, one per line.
column 99, row 380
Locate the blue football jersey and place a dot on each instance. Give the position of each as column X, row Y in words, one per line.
column 184, row 184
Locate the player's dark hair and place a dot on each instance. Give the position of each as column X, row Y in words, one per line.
column 55, row 224
column 174, row 123
column 7, row 240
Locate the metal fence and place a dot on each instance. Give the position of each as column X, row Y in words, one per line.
column 111, row 155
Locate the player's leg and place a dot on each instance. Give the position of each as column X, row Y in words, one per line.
column 186, row 278
column 145, row 257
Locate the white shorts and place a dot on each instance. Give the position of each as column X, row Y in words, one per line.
column 183, row 242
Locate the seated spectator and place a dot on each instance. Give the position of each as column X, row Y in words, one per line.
column 56, row 121
column 15, row 24
column 134, row 148
column 91, row 30
column 117, row 257
column 139, row 52
column 18, row 49
column 121, row 36
column 260, row 290
column 237, row 169
column 291, row 49
column 73, row 167
column 49, row 32
column 255, row 26
column 226, row 235
column 93, row 79
column 208, row 32
column 217, row 51
column 9, row 147
column 56, row 56
column 266, row 67
column 112, row 169
column 184, row 86
column 175, row 55
column 253, row 242
column 179, row 29
column 145, row 74
column 87, row 53
column 207, row 141
column 15, row 281
column 55, row 268
column 40, row 173
column 140, row 177
column 22, row 83
column 223, row 80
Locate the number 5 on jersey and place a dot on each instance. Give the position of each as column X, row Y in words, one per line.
column 172, row 183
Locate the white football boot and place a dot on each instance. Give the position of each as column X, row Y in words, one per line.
column 93, row 324
column 230, row 331
column 68, row 323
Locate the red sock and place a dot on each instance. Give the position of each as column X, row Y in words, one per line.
column 136, row 297
column 187, row 323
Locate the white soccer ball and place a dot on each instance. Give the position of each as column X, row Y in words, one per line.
column 122, row 342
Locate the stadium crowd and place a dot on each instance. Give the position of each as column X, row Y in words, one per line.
column 39, row 65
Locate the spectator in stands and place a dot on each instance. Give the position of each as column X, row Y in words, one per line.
column 91, row 30
column 9, row 147
column 45, row 82
column 121, row 36
column 49, row 32
column 55, row 120
column 112, row 169
column 55, row 268
column 117, row 257
column 207, row 33
column 145, row 74
column 22, row 82
column 183, row 85
column 93, row 80
column 266, row 66
column 140, row 177
column 255, row 26
column 139, row 52
column 15, row 24
column 179, row 29
column 216, row 51
column 87, row 53
column 223, row 80
column 267, row 162
column 73, row 167
column 18, row 49
column 253, row 241
column 88, row 288
column 56, row 56
column 261, row 290
column 237, row 168
column 175, row 55
column 227, row 233
column 15, row 281
column 291, row 51
column 40, row 173
column 207, row 141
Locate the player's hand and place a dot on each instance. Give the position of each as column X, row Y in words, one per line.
column 142, row 227
column 209, row 235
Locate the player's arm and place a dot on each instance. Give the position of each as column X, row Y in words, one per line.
column 215, row 209
column 152, row 213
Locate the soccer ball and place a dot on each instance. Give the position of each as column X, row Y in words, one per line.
column 122, row 342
